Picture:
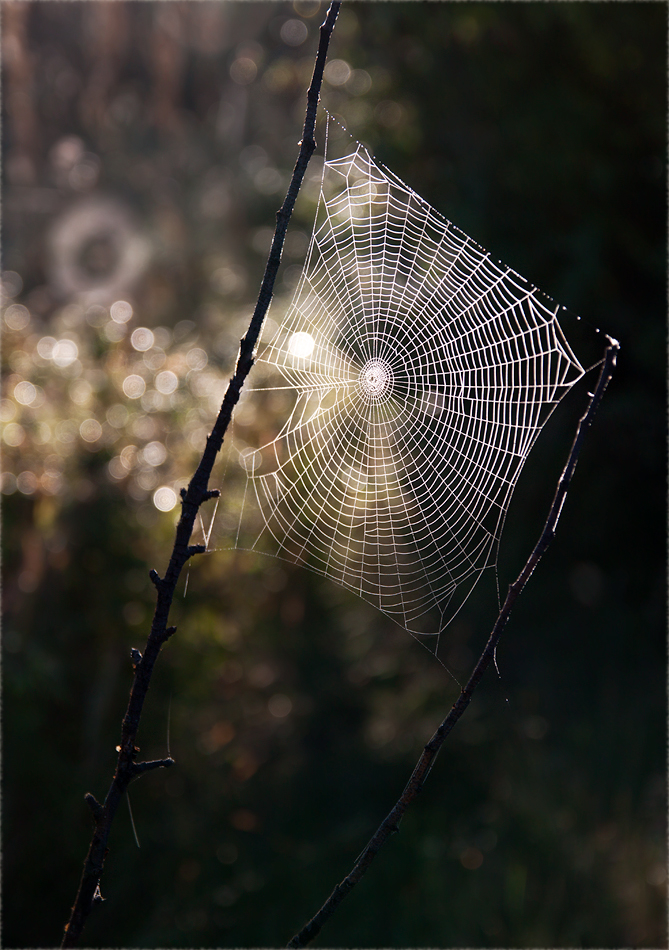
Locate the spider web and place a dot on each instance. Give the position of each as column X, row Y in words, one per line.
column 421, row 373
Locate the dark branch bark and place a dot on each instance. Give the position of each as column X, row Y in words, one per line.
column 197, row 493
column 422, row 769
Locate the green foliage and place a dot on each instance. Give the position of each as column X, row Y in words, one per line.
column 146, row 149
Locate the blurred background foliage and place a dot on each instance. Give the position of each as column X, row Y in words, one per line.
column 146, row 148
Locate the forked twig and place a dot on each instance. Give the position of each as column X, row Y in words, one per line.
column 191, row 499
column 391, row 823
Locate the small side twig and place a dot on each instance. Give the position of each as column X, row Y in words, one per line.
column 419, row 775
column 142, row 767
column 191, row 499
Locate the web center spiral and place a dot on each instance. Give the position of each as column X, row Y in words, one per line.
column 376, row 379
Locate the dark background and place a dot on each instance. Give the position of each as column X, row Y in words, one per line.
column 146, row 147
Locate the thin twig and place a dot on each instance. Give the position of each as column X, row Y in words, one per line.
column 196, row 494
column 422, row 769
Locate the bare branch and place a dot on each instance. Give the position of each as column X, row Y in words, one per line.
column 419, row 775
column 194, row 496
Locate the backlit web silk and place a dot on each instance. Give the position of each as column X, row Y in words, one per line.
column 421, row 372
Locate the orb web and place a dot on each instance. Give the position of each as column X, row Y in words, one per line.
column 421, row 373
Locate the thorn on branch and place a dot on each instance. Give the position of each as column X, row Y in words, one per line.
column 195, row 549
column 212, row 493
column 155, row 578
column 166, row 634
column 136, row 658
column 95, row 806
column 183, row 494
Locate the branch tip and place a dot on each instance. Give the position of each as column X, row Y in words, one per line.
column 613, row 343
column 155, row 578
column 136, row 657
column 195, row 549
